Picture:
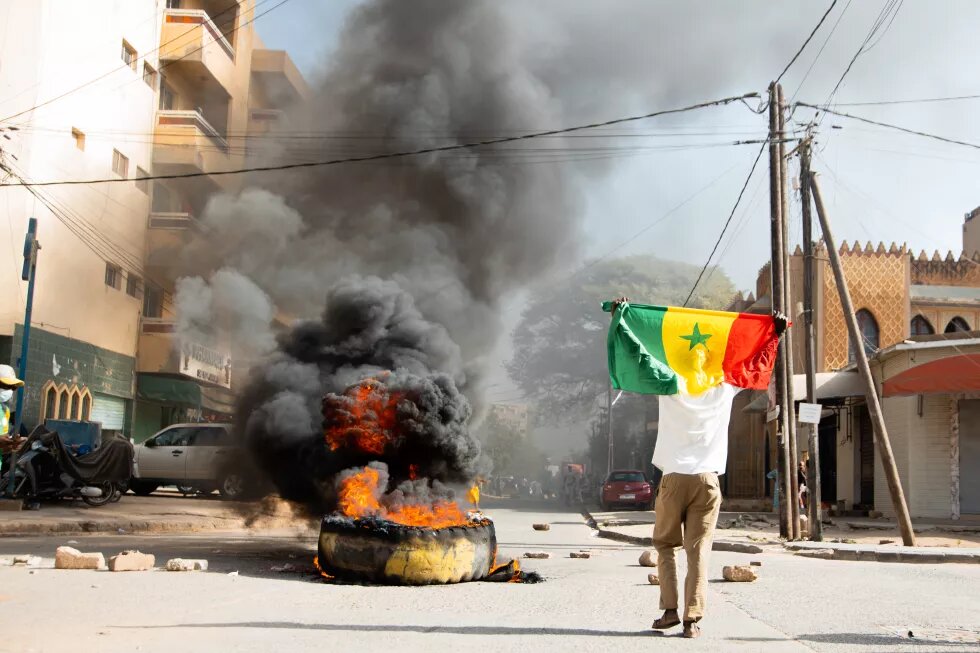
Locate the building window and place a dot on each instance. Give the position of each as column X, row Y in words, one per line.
column 120, row 163
column 86, row 406
column 113, row 275
column 957, row 325
column 921, row 326
column 134, row 286
column 129, row 55
column 63, row 404
column 152, row 302
column 50, row 403
column 142, row 183
column 149, row 76
column 79, row 138
column 868, row 330
column 168, row 98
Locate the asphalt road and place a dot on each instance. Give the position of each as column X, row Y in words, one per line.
column 600, row 604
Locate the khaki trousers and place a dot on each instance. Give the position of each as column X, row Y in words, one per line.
column 687, row 512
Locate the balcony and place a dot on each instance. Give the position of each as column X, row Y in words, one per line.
column 168, row 235
column 276, row 76
column 186, row 142
column 193, row 46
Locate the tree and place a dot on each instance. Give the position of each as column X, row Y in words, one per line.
column 511, row 450
column 560, row 342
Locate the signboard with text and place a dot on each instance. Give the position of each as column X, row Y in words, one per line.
column 206, row 364
column 810, row 413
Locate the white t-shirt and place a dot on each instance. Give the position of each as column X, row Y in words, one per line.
column 693, row 431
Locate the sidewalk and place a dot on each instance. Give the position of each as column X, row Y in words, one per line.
column 162, row 512
column 844, row 539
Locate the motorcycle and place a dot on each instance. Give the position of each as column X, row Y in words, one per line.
column 46, row 469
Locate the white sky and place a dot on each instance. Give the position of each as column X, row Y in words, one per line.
column 878, row 184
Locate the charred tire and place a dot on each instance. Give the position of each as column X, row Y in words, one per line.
column 386, row 553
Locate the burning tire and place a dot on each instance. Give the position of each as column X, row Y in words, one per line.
column 380, row 551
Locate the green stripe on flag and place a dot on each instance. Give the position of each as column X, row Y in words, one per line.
column 637, row 361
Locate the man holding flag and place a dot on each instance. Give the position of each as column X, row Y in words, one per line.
column 696, row 361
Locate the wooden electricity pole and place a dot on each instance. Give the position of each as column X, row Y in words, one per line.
column 809, row 345
column 778, row 296
column 788, row 401
column 870, row 392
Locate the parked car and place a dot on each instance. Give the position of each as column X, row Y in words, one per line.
column 195, row 458
column 626, row 487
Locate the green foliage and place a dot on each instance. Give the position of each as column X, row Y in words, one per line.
column 560, row 343
column 512, row 452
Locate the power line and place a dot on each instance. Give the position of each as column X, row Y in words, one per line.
column 906, row 130
column 408, row 153
column 738, row 200
column 915, row 101
column 879, row 21
column 807, row 41
column 823, row 46
column 143, row 58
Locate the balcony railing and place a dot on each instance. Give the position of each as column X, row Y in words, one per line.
column 198, row 17
column 179, row 118
column 174, row 220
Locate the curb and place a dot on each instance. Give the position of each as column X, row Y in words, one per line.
column 719, row 545
column 14, row 529
column 914, row 555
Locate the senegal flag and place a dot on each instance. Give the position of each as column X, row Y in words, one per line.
column 664, row 350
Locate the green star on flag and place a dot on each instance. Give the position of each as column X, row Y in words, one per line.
column 697, row 338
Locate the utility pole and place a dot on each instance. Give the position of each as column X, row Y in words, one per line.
column 809, row 346
column 778, row 297
column 790, row 423
column 870, row 392
column 28, row 273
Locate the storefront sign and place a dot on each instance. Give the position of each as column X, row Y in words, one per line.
column 810, row 413
column 206, row 364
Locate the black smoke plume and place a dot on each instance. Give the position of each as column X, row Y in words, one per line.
column 370, row 331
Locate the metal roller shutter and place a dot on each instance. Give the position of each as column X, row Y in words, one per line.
column 110, row 411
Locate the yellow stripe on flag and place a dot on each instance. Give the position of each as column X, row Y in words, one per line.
column 695, row 342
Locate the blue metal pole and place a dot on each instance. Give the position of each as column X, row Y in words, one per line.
column 31, row 246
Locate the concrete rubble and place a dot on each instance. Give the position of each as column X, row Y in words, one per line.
column 66, row 557
column 26, row 561
column 579, row 554
column 653, row 579
column 537, row 555
column 541, row 527
column 736, row 547
column 738, row 574
column 132, row 561
column 648, row 559
column 184, row 564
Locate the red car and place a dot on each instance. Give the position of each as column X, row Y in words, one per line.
column 626, row 487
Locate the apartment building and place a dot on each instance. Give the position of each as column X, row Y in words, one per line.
column 121, row 89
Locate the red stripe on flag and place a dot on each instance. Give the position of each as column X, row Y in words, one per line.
column 751, row 352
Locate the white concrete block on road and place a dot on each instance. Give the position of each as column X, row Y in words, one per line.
column 132, row 561
column 648, row 559
column 66, row 557
column 738, row 574
column 183, row 564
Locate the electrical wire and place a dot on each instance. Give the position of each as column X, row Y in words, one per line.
column 944, row 139
column 879, row 103
column 823, row 46
column 408, row 153
column 807, row 41
column 727, row 222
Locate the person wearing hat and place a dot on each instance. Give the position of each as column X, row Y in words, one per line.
column 8, row 384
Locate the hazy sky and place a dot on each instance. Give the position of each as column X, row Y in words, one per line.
column 878, row 184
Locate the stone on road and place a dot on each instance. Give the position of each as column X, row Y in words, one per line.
column 180, row 564
column 648, row 559
column 66, row 557
column 738, row 574
column 132, row 561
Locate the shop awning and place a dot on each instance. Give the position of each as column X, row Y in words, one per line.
column 830, row 385
column 950, row 375
column 170, row 390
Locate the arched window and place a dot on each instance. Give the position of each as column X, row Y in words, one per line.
column 86, row 405
column 957, row 324
column 50, row 402
column 63, row 402
column 73, row 411
column 921, row 326
column 868, row 330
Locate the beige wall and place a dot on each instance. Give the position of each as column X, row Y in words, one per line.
column 971, row 234
column 57, row 46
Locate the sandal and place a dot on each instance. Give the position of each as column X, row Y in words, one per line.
column 665, row 622
column 691, row 630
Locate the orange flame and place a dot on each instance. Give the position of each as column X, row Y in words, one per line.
column 358, row 497
column 364, row 419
